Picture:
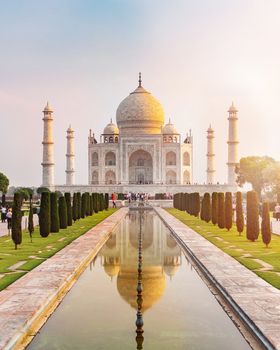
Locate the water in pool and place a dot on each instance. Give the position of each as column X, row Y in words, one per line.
column 179, row 311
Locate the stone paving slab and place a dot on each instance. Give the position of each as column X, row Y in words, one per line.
column 255, row 297
column 24, row 302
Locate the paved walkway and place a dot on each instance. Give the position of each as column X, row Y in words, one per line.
column 24, row 304
column 256, row 301
column 24, row 223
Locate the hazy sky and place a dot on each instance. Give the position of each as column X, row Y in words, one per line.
column 196, row 56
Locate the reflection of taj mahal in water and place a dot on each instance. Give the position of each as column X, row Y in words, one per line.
column 140, row 152
column 161, row 258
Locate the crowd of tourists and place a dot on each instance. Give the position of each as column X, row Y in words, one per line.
column 6, row 216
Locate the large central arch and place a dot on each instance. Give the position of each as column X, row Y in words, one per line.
column 140, row 167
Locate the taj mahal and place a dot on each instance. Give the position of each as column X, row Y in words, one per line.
column 140, row 153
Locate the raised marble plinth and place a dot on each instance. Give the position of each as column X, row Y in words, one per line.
column 254, row 300
column 25, row 304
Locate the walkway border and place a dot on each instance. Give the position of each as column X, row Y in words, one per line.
column 255, row 301
column 27, row 303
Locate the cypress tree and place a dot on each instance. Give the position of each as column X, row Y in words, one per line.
column 228, row 211
column 54, row 213
column 91, row 204
column 45, row 214
column 265, row 227
column 79, row 205
column 106, row 201
column 207, row 207
column 74, row 207
column 202, row 211
column 252, row 225
column 16, row 220
column 30, row 218
column 101, row 196
column 214, row 208
column 95, row 202
column 187, row 203
column 62, row 212
column 83, row 206
column 239, row 213
column 196, row 205
column 68, row 208
column 221, row 210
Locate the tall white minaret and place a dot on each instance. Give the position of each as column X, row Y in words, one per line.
column 232, row 144
column 70, row 158
column 210, row 156
column 48, row 155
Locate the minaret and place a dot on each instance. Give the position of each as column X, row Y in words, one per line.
column 210, row 156
column 70, row 158
column 232, row 144
column 48, row 155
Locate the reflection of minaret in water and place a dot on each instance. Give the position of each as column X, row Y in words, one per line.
column 139, row 321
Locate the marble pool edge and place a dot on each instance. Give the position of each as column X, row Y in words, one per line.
column 26, row 304
column 256, row 302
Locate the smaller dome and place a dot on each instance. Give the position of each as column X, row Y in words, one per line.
column 111, row 129
column 169, row 129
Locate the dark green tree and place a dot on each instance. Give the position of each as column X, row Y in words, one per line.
column 207, row 207
column 40, row 190
column 54, row 213
column 83, row 207
column 214, row 208
column 101, row 201
column 45, row 214
column 221, row 210
column 95, row 202
column 79, row 205
column 62, row 209
column 265, row 226
column 75, row 207
column 91, row 204
column 30, row 219
column 16, row 220
column 4, row 184
column 196, row 204
column 239, row 213
column 69, row 208
column 228, row 211
column 252, row 226
column 106, row 201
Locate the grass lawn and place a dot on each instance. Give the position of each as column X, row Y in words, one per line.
column 265, row 262
column 29, row 255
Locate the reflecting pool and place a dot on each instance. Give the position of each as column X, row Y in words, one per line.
column 179, row 311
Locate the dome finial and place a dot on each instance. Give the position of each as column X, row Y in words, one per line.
column 111, row 121
column 140, row 80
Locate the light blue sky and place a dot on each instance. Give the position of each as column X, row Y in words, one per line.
column 84, row 57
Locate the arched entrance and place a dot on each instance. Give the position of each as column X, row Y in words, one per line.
column 140, row 167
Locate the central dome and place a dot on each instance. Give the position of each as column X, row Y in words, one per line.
column 140, row 113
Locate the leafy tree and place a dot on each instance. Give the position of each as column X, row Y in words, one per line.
column 265, row 226
column 239, row 213
column 228, row 211
column 16, row 220
column 23, row 192
column 252, row 227
column 271, row 176
column 40, row 190
column 75, row 207
column 4, row 184
column 207, row 207
column 55, row 224
column 251, row 169
column 221, row 210
column 62, row 212
column 45, row 214
column 214, row 208
column 69, row 208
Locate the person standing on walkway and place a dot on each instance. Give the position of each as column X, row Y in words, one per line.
column 114, row 197
column 9, row 221
column 3, row 214
column 277, row 212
